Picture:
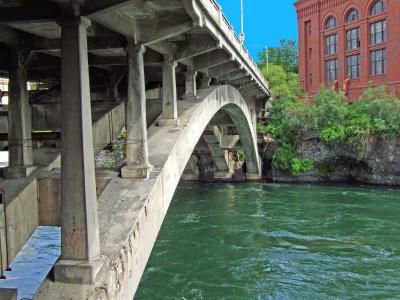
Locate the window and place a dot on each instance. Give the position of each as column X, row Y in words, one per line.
column 378, row 62
column 331, row 44
column 377, row 8
column 353, row 66
column 352, row 16
column 309, row 53
column 353, row 38
column 331, row 70
column 378, row 32
column 310, row 79
column 330, row 23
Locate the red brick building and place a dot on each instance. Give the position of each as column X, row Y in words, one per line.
column 349, row 44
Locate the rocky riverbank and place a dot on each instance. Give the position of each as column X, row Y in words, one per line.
column 377, row 161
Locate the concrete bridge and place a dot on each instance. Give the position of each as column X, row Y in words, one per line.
column 172, row 72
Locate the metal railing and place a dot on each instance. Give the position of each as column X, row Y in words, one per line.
column 215, row 11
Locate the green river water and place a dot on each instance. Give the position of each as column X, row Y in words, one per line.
column 272, row 241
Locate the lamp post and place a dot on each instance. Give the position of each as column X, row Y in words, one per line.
column 242, row 37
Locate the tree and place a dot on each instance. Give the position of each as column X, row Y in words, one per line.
column 283, row 83
column 284, row 55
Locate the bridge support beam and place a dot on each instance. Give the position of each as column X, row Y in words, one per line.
column 19, row 119
column 205, row 82
column 169, row 94
column 114, row 78
column 190, row 84
column 137, row 152
column 80, row 249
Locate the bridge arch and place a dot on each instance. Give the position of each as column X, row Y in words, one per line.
column 169, row 151
column 194, row 118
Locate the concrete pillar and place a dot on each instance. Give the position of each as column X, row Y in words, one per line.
column 19, row 119
column 205, row 81
column 190, row 85
column 251, row 103
column 79, row 218
column 137, row 153
column 169, row 95
column 114, row 79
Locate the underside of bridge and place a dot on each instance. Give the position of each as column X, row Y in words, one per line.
column 172, row 72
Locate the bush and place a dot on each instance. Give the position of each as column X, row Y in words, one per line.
column 377, row 113
column 286, row 159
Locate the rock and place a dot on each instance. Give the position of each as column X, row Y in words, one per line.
column 378, row 162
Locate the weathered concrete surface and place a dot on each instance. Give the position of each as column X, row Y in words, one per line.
column 49, row 186
column 137, row 151
column 21, row 210
column 131, row 212
column 8, row 294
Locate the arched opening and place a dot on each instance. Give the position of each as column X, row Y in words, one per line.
column 377, row 8
column 352, row 16
column 343, row 169
column 330, row 22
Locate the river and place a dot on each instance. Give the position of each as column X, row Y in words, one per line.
column 272, row 241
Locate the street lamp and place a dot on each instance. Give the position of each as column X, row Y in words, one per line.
column 242, row 22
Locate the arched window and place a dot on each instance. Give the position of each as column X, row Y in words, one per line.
column 377, row 8
column 330, row 23
column 352, row 16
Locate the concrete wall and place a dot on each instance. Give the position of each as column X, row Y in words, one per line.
column 22, row 217
column 50, row 197
column 3, row 241
column 46, row 116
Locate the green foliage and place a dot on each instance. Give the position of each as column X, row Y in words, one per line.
column 282, row 82
column 240, row 155
column 284, row 55
column 286, row 159
column 333, row 119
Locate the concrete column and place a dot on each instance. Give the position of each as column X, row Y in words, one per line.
column 205, row 82
column 190, row 85
column 251, row 103
column 137, row 153
column 169, row 95
column 79, row 219
column 113, row 82
column 19, row 119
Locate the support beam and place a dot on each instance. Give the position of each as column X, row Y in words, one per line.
column 114, row 79
column 247, row 85
column 251, row 103
column 150, row 34
column 240, row 80
column 190, row 84
column 137, row 152
column 29, row 11
column 169, row 94
column 223, row 69
column 252, row 92
column 19, row 118
column 205, row 82
column 211, row 59
column 80, row 250
column 233, row 75
column 195, row 45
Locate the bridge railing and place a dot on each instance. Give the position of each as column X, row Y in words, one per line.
column 215, row 11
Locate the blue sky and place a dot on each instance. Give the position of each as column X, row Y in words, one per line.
column 265, row 21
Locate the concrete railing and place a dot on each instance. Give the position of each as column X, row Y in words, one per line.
column 215, row 11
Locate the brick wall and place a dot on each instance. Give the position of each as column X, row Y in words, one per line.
column 312, row 21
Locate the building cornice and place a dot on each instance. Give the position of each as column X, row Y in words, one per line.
column 306, row 8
